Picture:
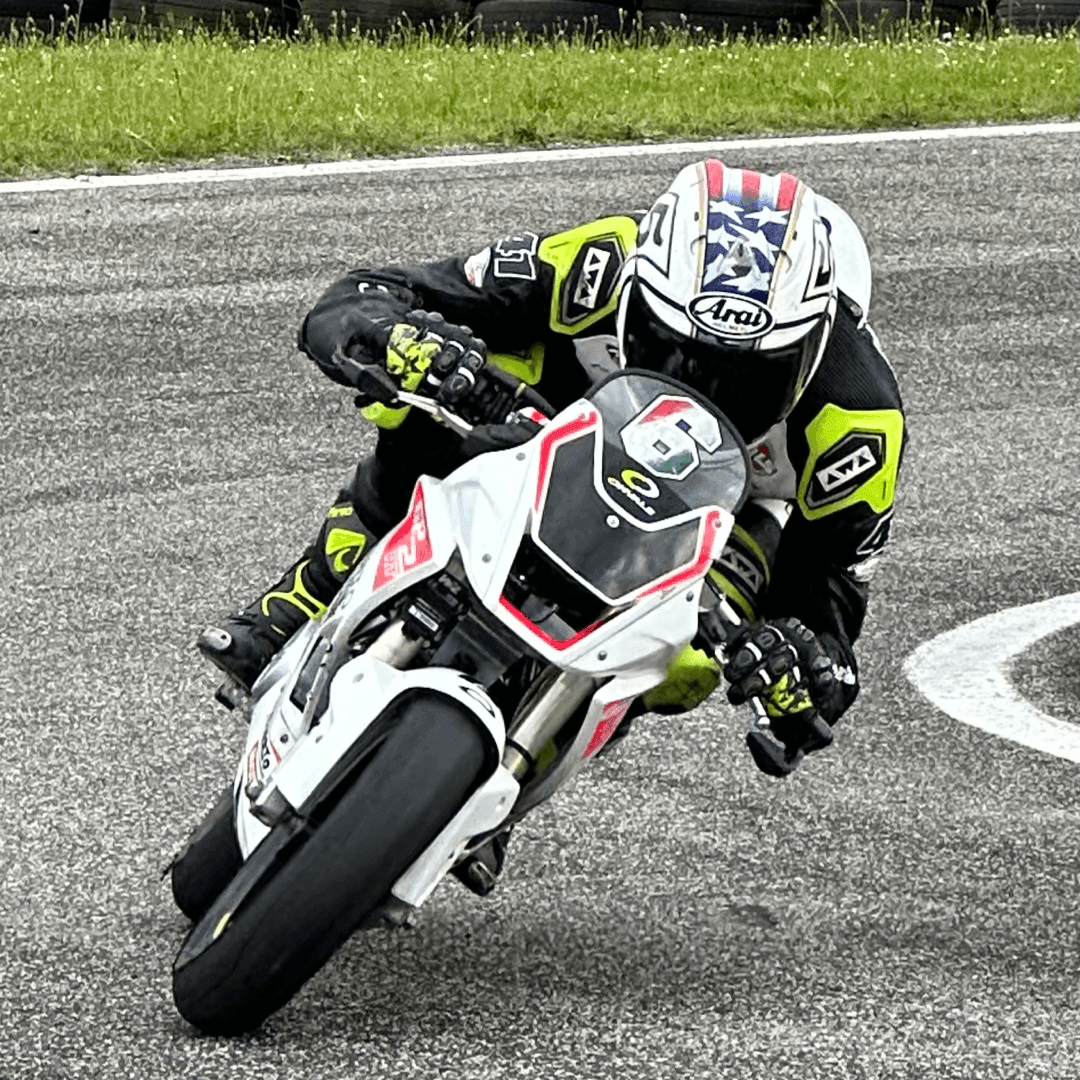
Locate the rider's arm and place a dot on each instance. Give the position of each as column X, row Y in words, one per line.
column 513, row 294
column 846, row 439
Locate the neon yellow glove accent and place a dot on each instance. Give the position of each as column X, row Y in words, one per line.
column 781, row 699
column 382, row 416
column 408, row 355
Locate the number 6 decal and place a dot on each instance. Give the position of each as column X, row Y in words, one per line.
column 666, row 435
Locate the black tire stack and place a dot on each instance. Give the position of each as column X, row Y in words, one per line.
column 715, row 17
column 378, row 16
column 1038, row 15
column 538, row 17
column 51, row 17
column 257, row 16
column 874, row 16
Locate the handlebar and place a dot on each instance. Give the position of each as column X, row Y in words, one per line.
column 373, row 381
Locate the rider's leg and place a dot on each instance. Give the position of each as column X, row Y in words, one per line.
column 246, row 641
column 376, row 499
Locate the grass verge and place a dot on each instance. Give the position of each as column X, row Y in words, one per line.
column 117, row 101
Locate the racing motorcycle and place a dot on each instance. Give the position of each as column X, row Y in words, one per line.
column 476, row 660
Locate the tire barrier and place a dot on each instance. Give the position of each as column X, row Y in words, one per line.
column 344, row 16
column 50, row 17
column 1028, row 15
column 732, row 16
column 537, row 17
column 263, row 16
column 867, row 16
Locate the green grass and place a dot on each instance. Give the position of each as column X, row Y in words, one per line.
column 116, row 102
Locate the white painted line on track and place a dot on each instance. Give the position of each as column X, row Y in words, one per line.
column 371, row 166
column 964, row 672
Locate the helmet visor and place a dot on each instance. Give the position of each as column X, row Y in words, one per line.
column 754, row 388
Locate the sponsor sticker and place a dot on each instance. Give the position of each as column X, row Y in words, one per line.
column 408, row 547
column 742, row 568
column 590, row 281
column 739, row 317
column 630, row 486
column 515, row 257
column 592, row 277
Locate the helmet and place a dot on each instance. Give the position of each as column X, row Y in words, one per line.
column 731, row 289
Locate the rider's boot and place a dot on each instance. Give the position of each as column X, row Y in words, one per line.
column 245, row 642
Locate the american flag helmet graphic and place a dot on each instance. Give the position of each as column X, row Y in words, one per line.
column 732, row 280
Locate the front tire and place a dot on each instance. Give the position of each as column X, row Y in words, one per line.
column 209, row 860
column 239, row 965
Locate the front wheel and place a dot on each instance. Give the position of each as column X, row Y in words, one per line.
column 313, row 886
column 209, row 860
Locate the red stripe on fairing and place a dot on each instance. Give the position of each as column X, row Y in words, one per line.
column 667, row 408
column 714, row 175
column 543, row 635
column 785, row 198
column 559, row 434
column 612, row 714
column 700, row 564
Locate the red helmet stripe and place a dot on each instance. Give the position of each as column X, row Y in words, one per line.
column 714, row 175
column 785, row 198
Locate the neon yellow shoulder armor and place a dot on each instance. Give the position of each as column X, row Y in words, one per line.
column 586, row 261
column 854, row 457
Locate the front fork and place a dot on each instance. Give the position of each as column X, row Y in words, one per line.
column 542, row 716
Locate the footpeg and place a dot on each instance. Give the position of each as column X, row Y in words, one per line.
column 230, row 694
column 481, row 878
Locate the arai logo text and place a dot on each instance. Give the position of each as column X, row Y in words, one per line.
column 730, row 316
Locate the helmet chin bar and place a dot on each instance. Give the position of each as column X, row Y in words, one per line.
column 754, row 389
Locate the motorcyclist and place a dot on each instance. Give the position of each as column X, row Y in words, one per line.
column 748, row 287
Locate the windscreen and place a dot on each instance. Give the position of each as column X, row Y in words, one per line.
column 627, row 498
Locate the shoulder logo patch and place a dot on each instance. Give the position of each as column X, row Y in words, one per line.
column 515, row 256
column 591, row 280
column 845, row 467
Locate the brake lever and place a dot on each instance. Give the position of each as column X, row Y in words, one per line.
column 779, row 757
column 521, row 391
column 432, row 407
column 371, row 380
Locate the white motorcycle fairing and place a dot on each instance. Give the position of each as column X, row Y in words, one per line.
column 480, row 513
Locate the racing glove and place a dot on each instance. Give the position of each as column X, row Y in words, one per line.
column 801, row 685
column 420, row 352
column 424, row 345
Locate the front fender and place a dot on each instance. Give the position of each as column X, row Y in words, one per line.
column 360, row 693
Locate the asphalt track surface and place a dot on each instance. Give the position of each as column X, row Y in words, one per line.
column 903, row 906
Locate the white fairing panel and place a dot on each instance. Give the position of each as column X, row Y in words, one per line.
column 480, row 514
column 360, row 692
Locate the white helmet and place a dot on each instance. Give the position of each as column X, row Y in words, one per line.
column 731, row 289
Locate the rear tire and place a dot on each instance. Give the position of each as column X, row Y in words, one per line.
column 239, row 966
column 209, row 861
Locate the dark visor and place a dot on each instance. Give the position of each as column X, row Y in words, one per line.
column 754, row 389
